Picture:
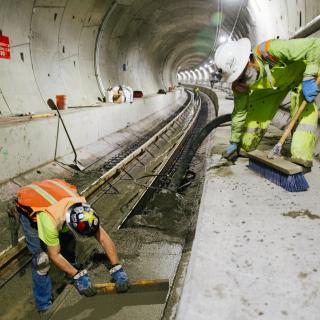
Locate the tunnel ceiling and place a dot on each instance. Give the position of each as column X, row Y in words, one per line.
column 184, row 31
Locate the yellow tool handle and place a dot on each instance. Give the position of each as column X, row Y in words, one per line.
column 294, row 119
column 109, row 287
column 292, row 122
column 42, row 115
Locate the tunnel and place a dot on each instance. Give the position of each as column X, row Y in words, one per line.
column 102, row 94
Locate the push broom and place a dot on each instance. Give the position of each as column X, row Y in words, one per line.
column 278, row 170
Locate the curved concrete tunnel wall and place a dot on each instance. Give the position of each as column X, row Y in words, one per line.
column 53, row 49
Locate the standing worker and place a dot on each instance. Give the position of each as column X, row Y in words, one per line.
column 51, row 213
column 215, row 77
column 261, row 80
column 196, row 92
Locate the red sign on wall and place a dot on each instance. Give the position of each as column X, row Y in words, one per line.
column 4, row 47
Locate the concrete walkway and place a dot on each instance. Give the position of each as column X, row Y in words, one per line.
column 256, row 251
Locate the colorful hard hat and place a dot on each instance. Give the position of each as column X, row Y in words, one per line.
column 232, row 58
column 82, row 219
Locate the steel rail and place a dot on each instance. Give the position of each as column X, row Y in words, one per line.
column 112, row 172
column 163, row 166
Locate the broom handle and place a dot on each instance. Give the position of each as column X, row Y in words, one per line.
column 294, row 119
column 292, row 123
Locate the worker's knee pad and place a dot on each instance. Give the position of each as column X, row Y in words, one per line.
column 43, row 264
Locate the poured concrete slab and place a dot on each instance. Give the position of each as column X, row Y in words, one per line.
column 146, row 254
column 145, row 305
column 256, row 250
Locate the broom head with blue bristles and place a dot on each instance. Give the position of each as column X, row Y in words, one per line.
column 279, row 171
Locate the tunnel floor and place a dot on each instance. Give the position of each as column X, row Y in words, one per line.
column 256, row 250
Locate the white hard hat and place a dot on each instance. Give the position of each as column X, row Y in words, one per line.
column 232, row 58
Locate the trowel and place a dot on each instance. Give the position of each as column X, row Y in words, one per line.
column 76, row 164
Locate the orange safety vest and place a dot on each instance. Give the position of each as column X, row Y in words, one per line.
column 52, row 196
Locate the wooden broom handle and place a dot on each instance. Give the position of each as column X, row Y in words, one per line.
column 292, row 122
column 294, row 119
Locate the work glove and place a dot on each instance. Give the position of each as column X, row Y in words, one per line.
column 231, row 151
column 120, row 278
column 83, row 284
column 310, row 89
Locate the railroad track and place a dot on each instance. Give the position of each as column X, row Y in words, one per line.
column 127, row 180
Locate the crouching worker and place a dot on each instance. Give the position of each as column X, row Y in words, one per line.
column 51, row 214
column 261, row 80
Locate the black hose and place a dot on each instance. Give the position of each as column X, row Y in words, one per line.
column 194, row 146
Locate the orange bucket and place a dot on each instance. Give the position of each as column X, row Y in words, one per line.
column 61, row 102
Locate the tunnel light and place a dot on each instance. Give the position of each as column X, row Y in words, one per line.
column 205, row 74
column 222, row 39
column 189, row 75
column 199, row 75
column 209, row 68
column 184, row 76
column 194, row 76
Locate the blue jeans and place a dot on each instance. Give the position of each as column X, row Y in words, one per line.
column 41, row 284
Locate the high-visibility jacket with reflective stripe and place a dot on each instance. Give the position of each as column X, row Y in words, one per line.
column 52, row 196
column 275, row 53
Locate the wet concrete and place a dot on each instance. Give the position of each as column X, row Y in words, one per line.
column 146, row 254
column 143, row 305
column 112, row 208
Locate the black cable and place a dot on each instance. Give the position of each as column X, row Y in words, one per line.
column 195, row 144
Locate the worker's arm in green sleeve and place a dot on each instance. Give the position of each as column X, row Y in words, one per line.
column 307, row 50
column 239, row 116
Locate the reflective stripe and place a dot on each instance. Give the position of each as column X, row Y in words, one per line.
column 307, row 128
column 254, row 130
column 263, row 47
column 43, row 193
column 66, row 189
column 258, row 51
column 269, row 76
column 262, row 52
column 251, row 130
